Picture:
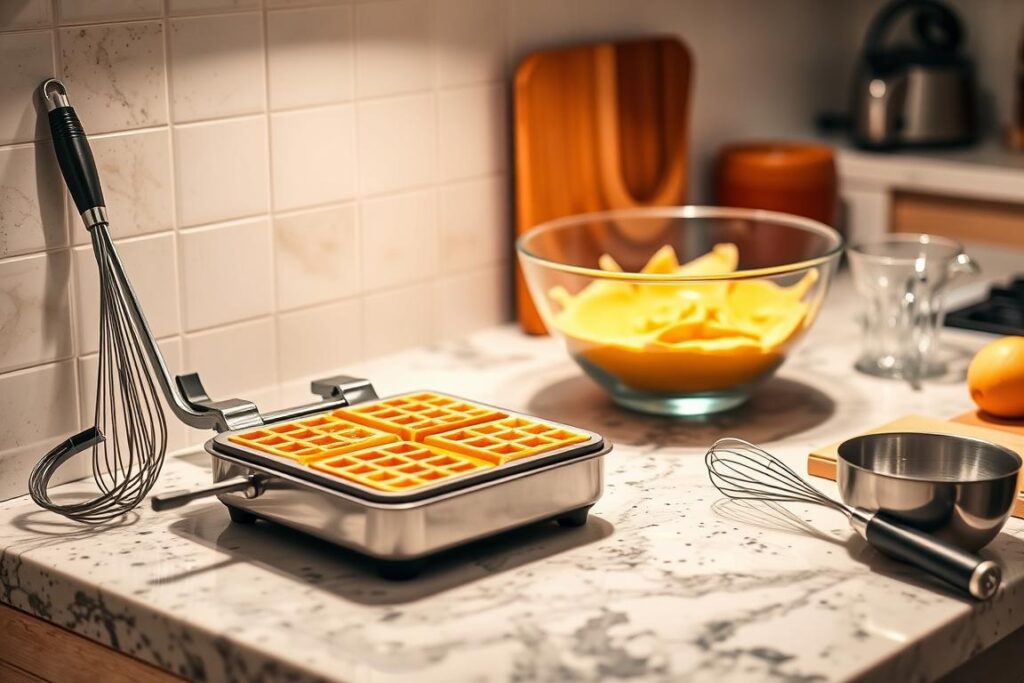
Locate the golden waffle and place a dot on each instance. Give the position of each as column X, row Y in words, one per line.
column 400, row 444
column 505, row 440
column 416, row 416
column 313, row 438
column 401, row 466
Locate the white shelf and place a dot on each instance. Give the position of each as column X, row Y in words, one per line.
column 988, row 171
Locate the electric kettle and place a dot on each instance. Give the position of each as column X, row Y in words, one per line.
column 916, row 94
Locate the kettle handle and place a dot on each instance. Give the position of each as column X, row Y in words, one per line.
column 936, row 25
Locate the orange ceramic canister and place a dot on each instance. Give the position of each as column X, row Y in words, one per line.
column 791, row 177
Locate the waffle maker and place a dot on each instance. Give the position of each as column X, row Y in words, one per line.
column 397, row 479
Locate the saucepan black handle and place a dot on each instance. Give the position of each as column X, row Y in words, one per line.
column 73, row 153
column 970, row 573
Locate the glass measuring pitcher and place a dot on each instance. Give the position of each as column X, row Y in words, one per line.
column 903, row 279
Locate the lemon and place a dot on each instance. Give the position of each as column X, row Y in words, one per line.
column 995, row 377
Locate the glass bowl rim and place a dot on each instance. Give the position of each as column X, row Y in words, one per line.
column 688, row 211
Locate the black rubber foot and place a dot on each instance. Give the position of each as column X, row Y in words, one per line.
column 239, row 516
column 402, row 570
column 574, row 519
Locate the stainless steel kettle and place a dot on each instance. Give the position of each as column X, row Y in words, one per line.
column 921, row 93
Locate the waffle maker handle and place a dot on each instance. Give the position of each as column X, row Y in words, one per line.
column 251, row 486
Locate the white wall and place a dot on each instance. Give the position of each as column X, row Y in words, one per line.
column 299, row 188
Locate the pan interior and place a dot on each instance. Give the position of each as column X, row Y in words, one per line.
column 930, row 457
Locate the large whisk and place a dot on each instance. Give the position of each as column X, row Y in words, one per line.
column 742, row 471
column 129, row 435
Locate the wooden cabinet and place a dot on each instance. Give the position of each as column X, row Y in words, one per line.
column 971, row 220
column 36, row 651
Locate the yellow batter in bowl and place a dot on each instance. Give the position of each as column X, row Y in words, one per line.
column 686, row 338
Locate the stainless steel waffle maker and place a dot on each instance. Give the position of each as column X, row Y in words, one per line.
column 398, row 529
column 397, row 479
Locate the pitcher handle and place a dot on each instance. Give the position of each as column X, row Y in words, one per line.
column 963, row 264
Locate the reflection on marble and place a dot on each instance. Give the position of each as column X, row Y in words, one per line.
column 665, row 583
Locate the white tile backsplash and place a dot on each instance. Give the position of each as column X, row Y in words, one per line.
column 217, row 66
column 40, row 410
column 465, row 301
column 316, row 256
column 38, row 403
column 235, row 360
column 310, row 56
column 399, row 238
column 397, row 143
column 397, row 319
column 83, row 11
column 313, row 155
column 115, row 74
column 316, row 338
column 152, row 265
column 135, row 170
column 473, row 224
column 393, row 47
column 31, row 200
column 87, row 369
column 27, row 60
column 299, row 184
column 227, row 273
column 470, row 41
column 471, row 131
column 35, row 316
column 221, row 170
column 25, row 14
column 204, row 6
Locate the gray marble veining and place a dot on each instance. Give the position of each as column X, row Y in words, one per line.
column 667, row 582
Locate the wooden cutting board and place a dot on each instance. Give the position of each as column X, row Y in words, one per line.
column 822, row 461
column 598, row 127
column 980, row 419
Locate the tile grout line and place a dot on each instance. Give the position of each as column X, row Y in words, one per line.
column 72, row 285
column 174, row 124
column 357, row 201
column 271, row 198
column 179, row 262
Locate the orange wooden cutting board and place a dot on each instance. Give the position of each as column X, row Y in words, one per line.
column 598, row 127
column 822, row 461
column 980, row 419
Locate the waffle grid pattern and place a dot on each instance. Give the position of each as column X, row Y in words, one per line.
column 407, row 442
column 401, row 466
column 416, row 416
column 313, row 438
column 505, row 440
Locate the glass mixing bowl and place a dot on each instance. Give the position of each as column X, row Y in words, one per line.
column 679, row 341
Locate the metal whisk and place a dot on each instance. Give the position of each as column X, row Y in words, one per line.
column 742, row 471
column 129, row 436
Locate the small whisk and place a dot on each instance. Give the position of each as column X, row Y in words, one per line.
column 129, row 435
column 742, row 471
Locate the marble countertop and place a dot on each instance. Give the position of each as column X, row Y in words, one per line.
column 666, row 581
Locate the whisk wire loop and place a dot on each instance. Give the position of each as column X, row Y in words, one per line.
column 129, row 436
column 742, row 471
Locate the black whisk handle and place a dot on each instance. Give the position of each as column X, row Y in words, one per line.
column 73, row 153
column 39, row 478
column 970, row 573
